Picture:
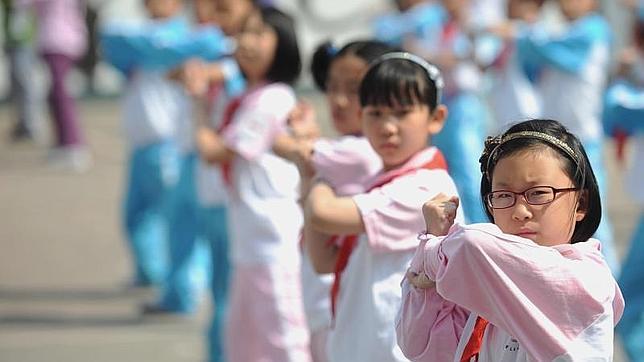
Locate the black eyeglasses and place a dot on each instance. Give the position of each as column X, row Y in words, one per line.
column 538, row 195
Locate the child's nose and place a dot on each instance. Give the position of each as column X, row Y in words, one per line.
column 341, row 99
column 521, row 210
column 389, row 125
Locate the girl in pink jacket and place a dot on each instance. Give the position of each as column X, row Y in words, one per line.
column 535, row 286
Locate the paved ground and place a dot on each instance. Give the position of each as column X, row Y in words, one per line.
column 63, row 263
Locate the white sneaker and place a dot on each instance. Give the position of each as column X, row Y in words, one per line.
column 70, row 158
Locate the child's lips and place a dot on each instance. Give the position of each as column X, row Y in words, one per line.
column 526, row 233
column 388, row 146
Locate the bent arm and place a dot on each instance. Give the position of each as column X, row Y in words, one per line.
column 428, row 327
column 323, row 254
column 544, row 296
column 325, row 212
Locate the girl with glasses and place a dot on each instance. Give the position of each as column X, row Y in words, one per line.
column 534, row 283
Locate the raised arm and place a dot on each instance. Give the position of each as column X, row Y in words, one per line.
column 552, row 299
column 428, row 327
column 328, row 213
column 568, row 53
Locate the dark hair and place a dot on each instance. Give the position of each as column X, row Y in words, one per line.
column 326, row 53
column 287, row 63
column 398, row 82
column 579, row 170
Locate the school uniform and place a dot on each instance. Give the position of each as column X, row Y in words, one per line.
column 347, row 164
column 540, row 303
column 369, row 292
column 212, row 197
column 198, row 204
column 573, row 68
column 151, row 107
column 266, row 317
column 156, row 109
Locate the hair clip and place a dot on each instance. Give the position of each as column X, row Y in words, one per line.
column 492, row 144
column 433, row 73
column 331, row 50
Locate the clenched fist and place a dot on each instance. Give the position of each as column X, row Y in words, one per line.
column 439, row 213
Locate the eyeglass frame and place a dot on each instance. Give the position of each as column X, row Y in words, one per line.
column 555, row 191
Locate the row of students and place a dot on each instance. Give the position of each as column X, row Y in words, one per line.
column 376, row 220
column 167, row 216
column 531, row 67
column 400, row 108
column 266, row 316
column 346, row 162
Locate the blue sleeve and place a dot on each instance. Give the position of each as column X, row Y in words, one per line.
column 389, row 29
column 234, row 81
column 418, row 21
column 161, row 46
column 623, row 108
column 569, row 52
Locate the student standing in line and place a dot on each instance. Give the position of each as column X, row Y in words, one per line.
column 401, row 110
column 534, row 283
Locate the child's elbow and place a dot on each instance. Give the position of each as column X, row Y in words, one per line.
column 323, row 266
column 316, row 216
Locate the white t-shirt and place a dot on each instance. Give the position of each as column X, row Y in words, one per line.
column 347, row 163
column 153, row 107
column 370, row 296
column 265, row 217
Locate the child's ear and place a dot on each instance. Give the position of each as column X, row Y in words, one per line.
column 437, row 119
column 582, row 206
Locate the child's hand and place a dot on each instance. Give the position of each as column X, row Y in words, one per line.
column 302, row 158
column 420, row 280
column 439, row 213
column 206, row 141
column 302, row 122
column 504, row 30
column 194, row 74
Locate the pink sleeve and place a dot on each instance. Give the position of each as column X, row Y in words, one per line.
column 428, row 327
column 543, row 296
column 260, row 118
column 347, row 164
column 392, row 214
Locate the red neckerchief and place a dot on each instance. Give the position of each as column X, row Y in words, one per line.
column 229, row 113
column 473, row 346
column 348, row 242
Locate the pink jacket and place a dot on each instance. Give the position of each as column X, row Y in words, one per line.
column 543, row 303
column 61, row 26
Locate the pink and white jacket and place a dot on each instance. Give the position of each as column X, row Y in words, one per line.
column 543, row 303
column 347, row 163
